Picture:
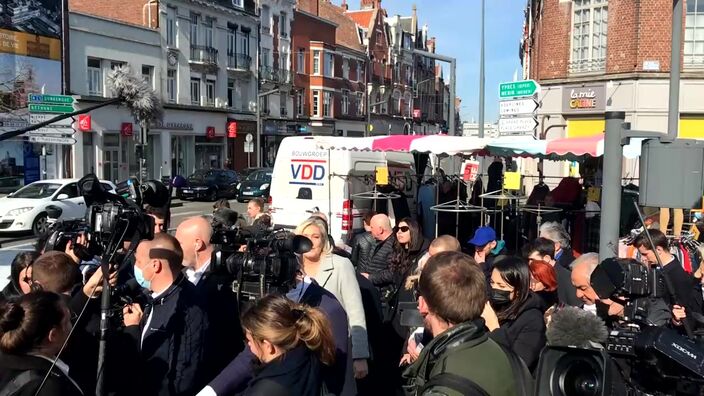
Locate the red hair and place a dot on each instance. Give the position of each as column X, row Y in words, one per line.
column 545, row 273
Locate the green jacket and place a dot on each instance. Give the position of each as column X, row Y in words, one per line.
column 464, row 350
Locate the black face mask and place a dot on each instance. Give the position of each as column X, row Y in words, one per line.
column 500, row 298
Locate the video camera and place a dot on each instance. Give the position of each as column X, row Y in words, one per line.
column 262, row 263
column 110, row 219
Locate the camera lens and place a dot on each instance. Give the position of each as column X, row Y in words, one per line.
column 580, row 378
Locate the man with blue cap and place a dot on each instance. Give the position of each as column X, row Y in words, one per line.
column 486, row 248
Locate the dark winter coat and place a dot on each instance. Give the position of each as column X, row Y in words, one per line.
column 362, row 248
column 57, row 384
column 297, row 373
column 566, row 258
column 524, row 335
column 566, row 292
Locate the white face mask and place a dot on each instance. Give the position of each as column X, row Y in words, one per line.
column 296, row 293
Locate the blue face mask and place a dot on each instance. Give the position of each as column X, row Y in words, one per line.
column 139, row 277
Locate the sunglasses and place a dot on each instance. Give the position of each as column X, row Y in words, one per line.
column 402, row 229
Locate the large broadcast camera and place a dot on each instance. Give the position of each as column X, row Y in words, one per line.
column 635, row 358
column 262, row 262
column 111, row 219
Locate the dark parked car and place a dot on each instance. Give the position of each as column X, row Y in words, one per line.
column 256, row 185
column 210, row 185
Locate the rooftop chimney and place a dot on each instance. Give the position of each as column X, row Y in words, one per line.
column 373, row 4
column 344, row 5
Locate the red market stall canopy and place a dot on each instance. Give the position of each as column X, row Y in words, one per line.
column 558, row 149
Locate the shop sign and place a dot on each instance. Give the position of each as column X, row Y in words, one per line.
column 173, row 126
column 126, row 129
column 84, row 123
column 210, row 132
column 416, row 113
column 583, row 99
column 232, row 129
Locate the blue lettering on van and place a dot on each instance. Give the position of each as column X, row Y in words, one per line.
column 307, row 172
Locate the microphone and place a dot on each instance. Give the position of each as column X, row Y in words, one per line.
column 571, row 326
column 136, row 94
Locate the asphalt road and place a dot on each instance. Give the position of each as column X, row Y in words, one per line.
column 15, row 243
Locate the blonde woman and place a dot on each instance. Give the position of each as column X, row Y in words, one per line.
column 336, row 274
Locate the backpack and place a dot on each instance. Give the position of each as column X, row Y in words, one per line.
column 521, row 375
column 17, row 385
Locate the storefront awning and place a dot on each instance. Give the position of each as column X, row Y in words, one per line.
column 434, row 144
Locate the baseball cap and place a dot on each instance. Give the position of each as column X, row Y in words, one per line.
column 482, row 236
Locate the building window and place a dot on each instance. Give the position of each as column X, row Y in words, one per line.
column 238, row 3
column 694, row 34
column 316, row 63
column 300, row 102
column 589, row 28
column 345, row 69
column 194, row 29
column 329, row 64
column 208, row 33
column 409, row 76
column 327, row 104
column 244, row 43
column 195, row 91
column 210, row 93
column 301, row 61
column 316, row 103
column 265, row 59
column 360, row 103
column 266, row 19
column 95, row 77
column 147, row 75
column 360, row 71
column 283, row 98
column 345, row 102
column 283, row 25
column 231, row 43
column 170, row 27
column 171, row 85
column 230, row 93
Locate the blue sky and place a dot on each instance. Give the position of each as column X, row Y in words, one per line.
column 456, row 25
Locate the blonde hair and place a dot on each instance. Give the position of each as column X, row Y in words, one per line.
column 322, row 227
column 286, row 325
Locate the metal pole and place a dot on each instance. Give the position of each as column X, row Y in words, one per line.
column 453, row 87
column 674, row 101
column 611, row 193
column 367, row 132
column 481, row 78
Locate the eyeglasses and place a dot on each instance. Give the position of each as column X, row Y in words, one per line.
column 402, row 229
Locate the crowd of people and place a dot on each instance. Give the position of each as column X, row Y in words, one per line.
column 394, row 314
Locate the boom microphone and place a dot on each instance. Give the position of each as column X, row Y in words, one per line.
column 136, row 94
column 571, row 326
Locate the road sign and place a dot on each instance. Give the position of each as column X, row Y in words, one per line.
column 50, row 99
column 52, row 131
column 518, row 89
column 36, row 118
column 248, row 147
column 84, row 123
column 518, row 106
column 52, row 139
column 249, row 138
column 45, row 108
column 517, row 124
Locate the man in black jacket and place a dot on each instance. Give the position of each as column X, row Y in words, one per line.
column 214, row 290
column 564, row 256
column 379, row 258
column 171, row 333
column 363, row 244
column 543, row 249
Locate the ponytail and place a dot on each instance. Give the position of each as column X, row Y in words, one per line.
column 313, row 329
column 287, row 325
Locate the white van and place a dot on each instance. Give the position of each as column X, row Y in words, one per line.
column 307, row 178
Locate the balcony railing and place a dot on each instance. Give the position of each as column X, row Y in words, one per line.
column 238, row 61
column 203, row 54
column 267, row 73
column 587, row 65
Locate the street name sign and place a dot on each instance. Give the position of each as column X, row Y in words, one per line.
column 50, row 108
column 52, row 131
column 36, row 118
column 517, row 124
column 52, row 139
column 518, row 89
column 518, row 106
column 51, row 99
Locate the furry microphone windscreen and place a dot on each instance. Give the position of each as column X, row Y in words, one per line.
column 571, row 326
column 136, row 93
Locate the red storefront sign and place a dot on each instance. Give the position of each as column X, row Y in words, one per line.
column 126, row 129
column 84, row 123
column 416, row 113
column 232, row 129
column 210, row 132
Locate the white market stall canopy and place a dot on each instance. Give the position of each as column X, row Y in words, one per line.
column 434, row 144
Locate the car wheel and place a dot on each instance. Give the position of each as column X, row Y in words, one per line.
column 213, row 196
column 40, row 225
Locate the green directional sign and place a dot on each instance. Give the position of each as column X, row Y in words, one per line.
column 518, row 89
column 50, row 99
column 47, row 108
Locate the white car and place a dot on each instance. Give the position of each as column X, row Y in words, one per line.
column 26, row 208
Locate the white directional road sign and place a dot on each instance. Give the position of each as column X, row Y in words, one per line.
column 52, row 139
column 517, row 124
column 519, row 106
column 52, row 131
column 36, row 118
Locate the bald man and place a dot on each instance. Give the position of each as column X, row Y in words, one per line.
column 380, row 256
column 171, row 337
column 213, row 288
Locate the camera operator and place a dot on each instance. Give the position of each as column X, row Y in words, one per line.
column 169, row 337
column 32, row 331
column 257, row 215
column 214, row 290
column 685, row 295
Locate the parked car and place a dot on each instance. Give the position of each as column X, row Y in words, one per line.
column 26, row 208
column 255, row 185
column 210, row 185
